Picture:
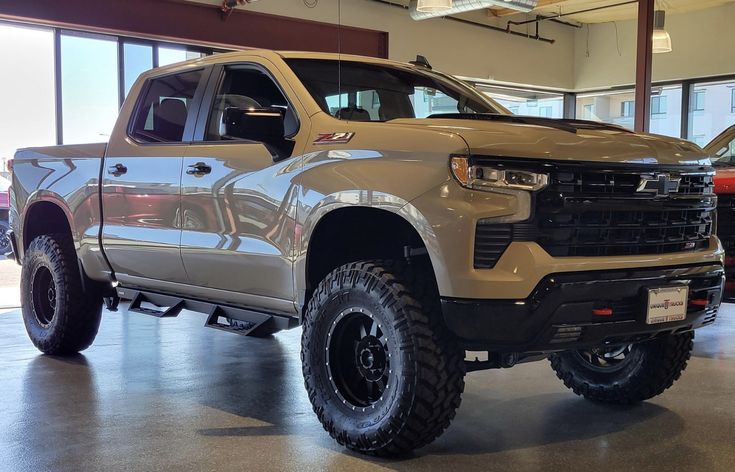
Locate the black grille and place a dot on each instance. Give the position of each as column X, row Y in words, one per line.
column 590, row 210
column 491, row 240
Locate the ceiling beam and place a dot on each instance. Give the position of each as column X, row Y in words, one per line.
column 508, row 11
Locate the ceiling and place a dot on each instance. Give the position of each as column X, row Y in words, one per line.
column 625, row 12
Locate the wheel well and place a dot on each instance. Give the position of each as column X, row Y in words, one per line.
column 355, row 234
column 41, row 218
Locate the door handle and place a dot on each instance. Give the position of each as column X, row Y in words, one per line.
column 117, row 170
column 199, row 168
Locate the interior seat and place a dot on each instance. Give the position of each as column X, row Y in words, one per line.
column 353, row 114
column 169, row 119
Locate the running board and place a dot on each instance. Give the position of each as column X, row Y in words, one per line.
column 226, row 318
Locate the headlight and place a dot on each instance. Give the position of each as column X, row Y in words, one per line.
column 489, row 178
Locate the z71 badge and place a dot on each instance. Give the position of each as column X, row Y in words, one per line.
column 333, row 138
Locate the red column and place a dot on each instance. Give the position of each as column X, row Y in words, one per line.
column 644, row 59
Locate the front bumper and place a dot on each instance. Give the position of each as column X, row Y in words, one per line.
column 558, row 315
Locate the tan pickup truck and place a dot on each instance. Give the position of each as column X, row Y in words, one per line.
column 411, row 225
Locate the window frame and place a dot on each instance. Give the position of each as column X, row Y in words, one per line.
column 192, row 111
column 214, row 83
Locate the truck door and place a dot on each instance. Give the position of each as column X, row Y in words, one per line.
column 141, row 193
column 238, row 196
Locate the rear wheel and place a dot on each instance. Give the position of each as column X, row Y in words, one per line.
column 383, row 374
column 625, row 374
column 60, row 317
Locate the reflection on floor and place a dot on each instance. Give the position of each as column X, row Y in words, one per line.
column 169, row 395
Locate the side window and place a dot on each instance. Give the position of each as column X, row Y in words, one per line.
column 249, row 90
column 162, row 113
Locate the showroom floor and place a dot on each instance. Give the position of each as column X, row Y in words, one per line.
column 169, row 395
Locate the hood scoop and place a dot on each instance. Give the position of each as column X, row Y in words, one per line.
column 571, row 126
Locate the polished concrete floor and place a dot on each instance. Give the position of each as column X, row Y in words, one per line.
column 169, row 395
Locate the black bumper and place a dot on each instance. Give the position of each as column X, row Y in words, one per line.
column 559, row 314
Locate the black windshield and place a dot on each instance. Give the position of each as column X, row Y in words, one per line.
column 375, row 92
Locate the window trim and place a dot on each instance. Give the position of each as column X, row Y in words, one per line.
column 214, row 83
column 192, row 112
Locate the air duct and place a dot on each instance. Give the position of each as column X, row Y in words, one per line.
column 461, row 6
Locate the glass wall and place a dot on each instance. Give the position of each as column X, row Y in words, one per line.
column 618, row 107
column 711, row 110
column 137, row 58
column 27, row 95
column 526, row 102
column 89, row 88
column 95, row 73
column 173, row 54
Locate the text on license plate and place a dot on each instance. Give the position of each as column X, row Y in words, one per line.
column 667, row 304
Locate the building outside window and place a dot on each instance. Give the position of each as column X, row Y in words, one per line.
column 710, row 117
column 732, row 100
column 589, row 112
column 526, row 102
column 627, row 109
column 698, row 100
column 617, row 107
column 666, row 111
column 658, row 105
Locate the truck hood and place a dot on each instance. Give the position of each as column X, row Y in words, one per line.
column 576, row 140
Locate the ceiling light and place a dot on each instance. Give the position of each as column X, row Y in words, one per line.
column 434, row 5
column 661, row 38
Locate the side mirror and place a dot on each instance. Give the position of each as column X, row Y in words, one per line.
column 264, row 124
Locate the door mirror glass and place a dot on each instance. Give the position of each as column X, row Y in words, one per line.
column 263, row 124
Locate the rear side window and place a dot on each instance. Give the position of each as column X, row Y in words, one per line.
column 163, row 110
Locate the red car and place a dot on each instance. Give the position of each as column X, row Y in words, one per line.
column 4, row 209
column 723, row 149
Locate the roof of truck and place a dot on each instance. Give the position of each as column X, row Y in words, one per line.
column 275, row 55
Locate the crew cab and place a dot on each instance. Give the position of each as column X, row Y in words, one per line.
column 412, row 226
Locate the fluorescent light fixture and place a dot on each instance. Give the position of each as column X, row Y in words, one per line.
column 434, row 5
column 661, row 38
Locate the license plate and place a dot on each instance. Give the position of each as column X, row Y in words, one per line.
column 667, row 304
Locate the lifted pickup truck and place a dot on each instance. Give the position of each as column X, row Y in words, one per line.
column 414, row 227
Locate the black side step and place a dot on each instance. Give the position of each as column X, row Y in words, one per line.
column 226, row 318
column 175, row 306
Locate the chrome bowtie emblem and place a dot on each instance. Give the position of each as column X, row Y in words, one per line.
column 660, row 184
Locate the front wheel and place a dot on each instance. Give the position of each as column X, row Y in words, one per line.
column 382, row 373
column 625, row 374
column 61, row 318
